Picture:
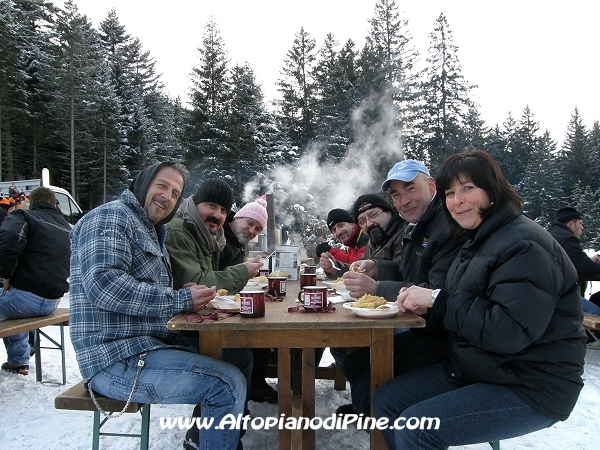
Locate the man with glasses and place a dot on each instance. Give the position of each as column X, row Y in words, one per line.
column 382, row 224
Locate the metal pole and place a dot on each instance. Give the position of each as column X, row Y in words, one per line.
column 270, row 223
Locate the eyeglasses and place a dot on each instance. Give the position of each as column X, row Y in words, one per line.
column 371, row 216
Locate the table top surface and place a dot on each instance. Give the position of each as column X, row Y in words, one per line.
column 278, row 317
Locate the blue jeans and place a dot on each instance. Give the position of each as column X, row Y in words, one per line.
column 18, row 304
column 172, row 376
column 468, row 414
column 411, row 351
column 589, row 307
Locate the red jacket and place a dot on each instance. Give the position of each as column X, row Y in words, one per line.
column 356, row 246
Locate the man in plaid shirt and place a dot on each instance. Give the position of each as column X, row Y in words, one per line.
column 121, row 298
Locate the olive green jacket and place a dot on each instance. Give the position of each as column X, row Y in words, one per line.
column 194, row 253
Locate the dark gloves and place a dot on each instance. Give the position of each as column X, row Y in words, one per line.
column 322, row 248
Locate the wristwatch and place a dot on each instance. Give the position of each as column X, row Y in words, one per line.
column 434, row 295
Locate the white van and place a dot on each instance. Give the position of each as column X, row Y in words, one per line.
column 66, row 202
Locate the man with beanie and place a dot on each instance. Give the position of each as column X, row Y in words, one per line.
column 34, row 264
column 121, row 297
column 240, row 228
column 566, row 229
column 195, row 239
column 342, row 226
column 384, row 226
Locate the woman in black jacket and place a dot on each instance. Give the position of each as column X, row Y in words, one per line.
column 514, row 358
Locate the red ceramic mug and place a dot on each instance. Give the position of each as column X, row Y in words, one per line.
column 315, row 297
column 252, row 303
column 263, row 272
column 277, row 285
column 310, row 269
column 308, row 279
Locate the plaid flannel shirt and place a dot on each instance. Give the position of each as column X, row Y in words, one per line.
column 121, row 294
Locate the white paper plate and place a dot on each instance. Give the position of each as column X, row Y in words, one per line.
column 225, row 302
column 373, row 313
column 327, row 282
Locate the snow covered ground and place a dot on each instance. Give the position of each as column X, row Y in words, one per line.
column 29, row 420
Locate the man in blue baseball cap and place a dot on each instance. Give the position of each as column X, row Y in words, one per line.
column 411, row 187
column 406, row 170
column 413, row 192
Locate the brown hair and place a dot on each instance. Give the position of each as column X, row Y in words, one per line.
column 42, row 195
column 483, row 170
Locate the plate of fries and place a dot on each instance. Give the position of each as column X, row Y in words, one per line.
column 367, row 305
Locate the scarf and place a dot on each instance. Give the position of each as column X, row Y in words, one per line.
column 211, row 242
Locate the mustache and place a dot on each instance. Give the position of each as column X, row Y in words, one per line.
column 213, row 219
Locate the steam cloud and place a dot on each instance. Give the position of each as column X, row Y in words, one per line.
column 322, row 186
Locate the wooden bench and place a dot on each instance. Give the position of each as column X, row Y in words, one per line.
column 77, row 398
column 59, row 317
column 591, row 324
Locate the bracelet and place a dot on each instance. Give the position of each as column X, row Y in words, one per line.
column 434, row 295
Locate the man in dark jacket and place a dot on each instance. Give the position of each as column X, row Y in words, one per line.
column 428, row 249
column 566, row 229
column 383, row 226
column 34, row 264
column 240, row 228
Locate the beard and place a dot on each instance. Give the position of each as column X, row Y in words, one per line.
column 243, row 238
column 376, row 235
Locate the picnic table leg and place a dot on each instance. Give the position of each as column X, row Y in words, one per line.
column 308, row 395
column 382, row 370
column 284, row 392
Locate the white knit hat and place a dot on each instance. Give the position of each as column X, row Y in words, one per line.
column 256, row 210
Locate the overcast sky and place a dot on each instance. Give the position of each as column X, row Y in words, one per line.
column 519, row 52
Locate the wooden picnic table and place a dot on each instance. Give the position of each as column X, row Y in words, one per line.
column 286, row 331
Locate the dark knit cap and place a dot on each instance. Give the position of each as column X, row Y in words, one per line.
column 214, row 190
column 370, row 201
column 567, row 213
column 141, row 184
column 336, row 216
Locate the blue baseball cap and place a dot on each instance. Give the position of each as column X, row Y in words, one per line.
column 406, row 171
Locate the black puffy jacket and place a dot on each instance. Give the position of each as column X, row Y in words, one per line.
column 35, row 251
column 513, row 310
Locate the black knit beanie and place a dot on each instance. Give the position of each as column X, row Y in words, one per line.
column 567, row 213
column 370, row 201
column 141, row 183
column 214, row 190
column 338, row 215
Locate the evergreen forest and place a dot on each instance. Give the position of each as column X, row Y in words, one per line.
column 88, row 104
